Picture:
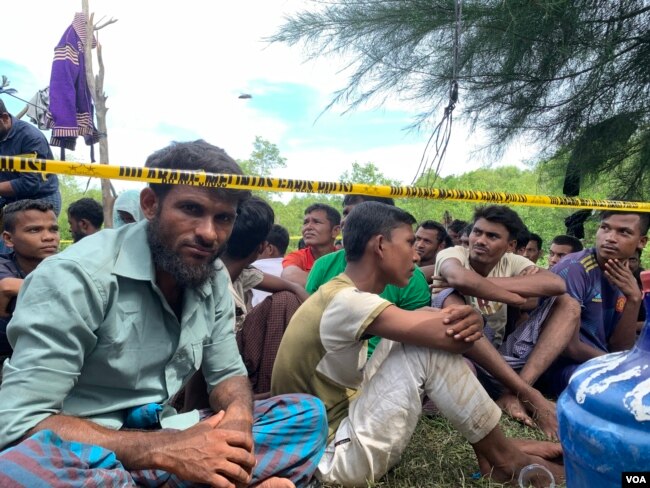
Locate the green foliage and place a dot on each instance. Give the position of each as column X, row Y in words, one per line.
column 571, row 75
column 368, row 174
column 542, row 180
column 264, row 158
column 547, row 222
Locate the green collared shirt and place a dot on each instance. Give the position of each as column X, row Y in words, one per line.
column 93, row 335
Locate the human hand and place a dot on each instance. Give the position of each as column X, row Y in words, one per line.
column 618, row 274
column 239, row 419
column 466, row 324
column 515, row 300
column 438, row 283
column 530, row 271
column 208, row 453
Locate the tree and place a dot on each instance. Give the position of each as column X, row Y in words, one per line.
column 368, row 174
column 264, row 159
column 572, row 76
column 96, row 87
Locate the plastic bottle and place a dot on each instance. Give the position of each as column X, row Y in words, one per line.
column 604, row 414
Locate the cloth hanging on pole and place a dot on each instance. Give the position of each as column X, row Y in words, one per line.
column 38, row 108
column 71, row 107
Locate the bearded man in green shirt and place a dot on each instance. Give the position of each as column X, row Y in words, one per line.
column 105, row 334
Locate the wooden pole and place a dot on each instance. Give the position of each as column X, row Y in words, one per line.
column 96, row 86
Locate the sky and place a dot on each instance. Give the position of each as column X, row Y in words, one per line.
column 175, row 70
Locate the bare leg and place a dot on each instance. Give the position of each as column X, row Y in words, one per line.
column 557, row 331
column 485, row 355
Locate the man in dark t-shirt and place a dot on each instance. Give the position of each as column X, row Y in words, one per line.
column 600, row 280
column 19, row 138
column 31, row 232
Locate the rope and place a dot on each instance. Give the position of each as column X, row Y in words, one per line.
column 442, row 131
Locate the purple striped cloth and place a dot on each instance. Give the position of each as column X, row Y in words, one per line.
column 290, row 433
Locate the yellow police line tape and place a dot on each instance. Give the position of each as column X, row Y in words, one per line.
column 212, row 180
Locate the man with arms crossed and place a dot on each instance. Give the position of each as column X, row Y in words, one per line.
column 490, row 278
column 373, row 405
column 108, row 331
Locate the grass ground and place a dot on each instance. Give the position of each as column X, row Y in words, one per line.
column 438, row 457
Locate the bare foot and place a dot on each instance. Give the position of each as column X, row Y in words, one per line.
column 276, row 483
column 532, row 410
column 511, row 405
column 543, row 412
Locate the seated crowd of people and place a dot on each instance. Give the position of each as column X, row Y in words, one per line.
column 186, row 345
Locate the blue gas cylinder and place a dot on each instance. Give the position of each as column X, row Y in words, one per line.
column 604, row 414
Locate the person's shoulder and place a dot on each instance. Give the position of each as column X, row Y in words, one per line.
column 97, row 253
column 251, row 277
column 339, row 281
column 332, row 257
column 8, row 266
column 294, row 258
column 298, row 252
column 417, row 279
column 516, row 260
column 578, row 262
column 334, row 286
column 220, row 281
column 23, row 127
column 457, row 252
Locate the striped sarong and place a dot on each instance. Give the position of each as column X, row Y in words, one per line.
column 290, row 432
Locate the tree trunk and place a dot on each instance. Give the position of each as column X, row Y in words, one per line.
column 96, row 86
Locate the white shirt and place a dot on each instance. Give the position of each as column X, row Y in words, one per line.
column 272, row 266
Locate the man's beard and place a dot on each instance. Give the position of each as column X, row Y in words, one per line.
column 186, row 275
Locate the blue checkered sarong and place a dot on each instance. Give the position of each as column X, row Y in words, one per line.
column 290, row 433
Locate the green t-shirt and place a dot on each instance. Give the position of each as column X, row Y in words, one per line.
column 413, row 296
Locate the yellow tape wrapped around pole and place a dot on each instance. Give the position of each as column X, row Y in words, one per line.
column 211, row 180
